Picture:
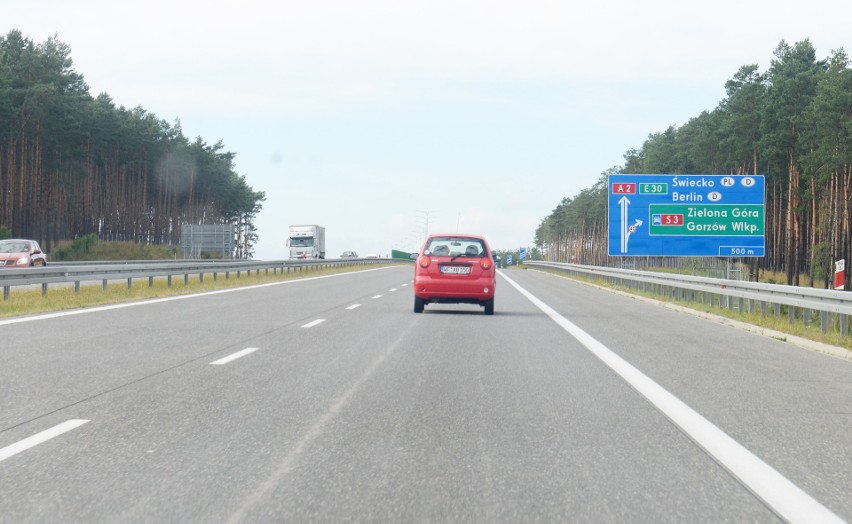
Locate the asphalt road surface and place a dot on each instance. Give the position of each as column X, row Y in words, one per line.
column 327, row 399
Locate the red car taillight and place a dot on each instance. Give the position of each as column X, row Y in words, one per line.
column 425, row 261
column 485, row 263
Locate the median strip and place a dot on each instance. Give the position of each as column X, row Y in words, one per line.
column 96, row 309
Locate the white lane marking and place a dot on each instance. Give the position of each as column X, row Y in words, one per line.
column 405, row 284
column 788, row 500
column 233, row 356
column 392, row 289
column 353, row 306
column 378, row 296
column 40, row 438
column 48, row 316
column 314, row 323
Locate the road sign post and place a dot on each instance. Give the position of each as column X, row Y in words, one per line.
column 839, row 273
column 686, row 215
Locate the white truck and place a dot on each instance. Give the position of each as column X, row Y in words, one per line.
column 307, row 241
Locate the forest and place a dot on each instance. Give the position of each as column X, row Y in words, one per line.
column 791, row 123
column 73, row 164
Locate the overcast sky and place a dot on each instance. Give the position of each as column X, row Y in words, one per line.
column 380, row 118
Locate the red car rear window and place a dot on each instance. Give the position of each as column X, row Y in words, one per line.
column 455, row 247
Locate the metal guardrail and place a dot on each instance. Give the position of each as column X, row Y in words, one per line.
column 799, row 302
column 105, row 272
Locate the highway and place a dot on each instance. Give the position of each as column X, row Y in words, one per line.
column 327, row 399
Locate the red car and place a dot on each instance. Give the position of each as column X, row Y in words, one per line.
column 21, row 253
column 454, row 269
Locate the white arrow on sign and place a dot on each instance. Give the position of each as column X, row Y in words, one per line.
column 631, row 229
column 625, row 203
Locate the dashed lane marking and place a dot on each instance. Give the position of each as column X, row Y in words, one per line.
column 233, row 356
column 39, row 438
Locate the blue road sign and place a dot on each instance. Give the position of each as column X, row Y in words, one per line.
column 686, row 215
column 523, row 253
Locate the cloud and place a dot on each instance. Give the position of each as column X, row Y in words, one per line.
column 320, row 56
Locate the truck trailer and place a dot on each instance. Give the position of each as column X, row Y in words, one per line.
column 306, row 241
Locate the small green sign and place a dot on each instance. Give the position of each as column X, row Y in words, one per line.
column 659, row 188
column 706, row 219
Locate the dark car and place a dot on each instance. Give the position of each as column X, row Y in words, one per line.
column 454, row 269
column 21, row 253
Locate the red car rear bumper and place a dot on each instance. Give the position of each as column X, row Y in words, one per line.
column 447, row 289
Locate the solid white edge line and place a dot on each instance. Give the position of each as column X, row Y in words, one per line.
column 40, row 438
column 354, row 306
column 314, row 323
column 48, row 316
column 788, row 500
column 233, row 356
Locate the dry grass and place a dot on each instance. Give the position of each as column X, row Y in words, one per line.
column 782, row 324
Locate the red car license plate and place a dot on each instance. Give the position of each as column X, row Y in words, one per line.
column 456, row 270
